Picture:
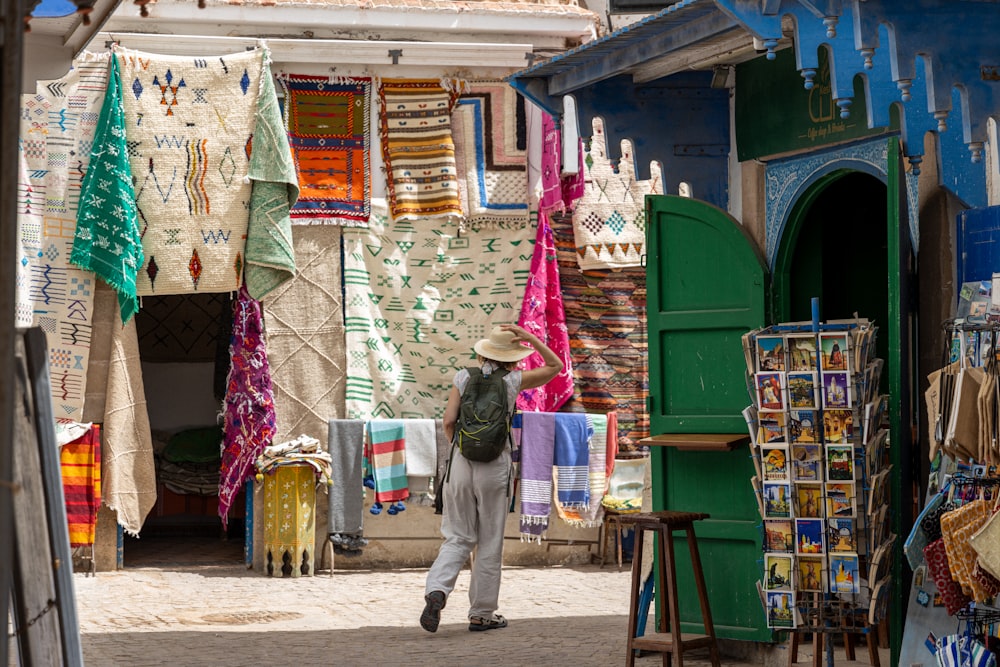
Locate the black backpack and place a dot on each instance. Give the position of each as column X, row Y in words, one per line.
column 483, row 428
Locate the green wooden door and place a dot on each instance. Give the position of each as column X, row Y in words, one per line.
column 706, row 287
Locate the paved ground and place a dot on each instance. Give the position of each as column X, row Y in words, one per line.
column 224, row 615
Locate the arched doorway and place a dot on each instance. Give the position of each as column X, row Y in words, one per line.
column 835, row 248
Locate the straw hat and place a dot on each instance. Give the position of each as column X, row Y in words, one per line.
column 500, row 346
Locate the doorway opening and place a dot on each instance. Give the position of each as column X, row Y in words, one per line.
column 184, row 347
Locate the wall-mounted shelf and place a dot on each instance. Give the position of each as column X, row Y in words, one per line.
column 698, row 442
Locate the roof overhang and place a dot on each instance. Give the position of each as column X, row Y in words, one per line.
column 74, row 31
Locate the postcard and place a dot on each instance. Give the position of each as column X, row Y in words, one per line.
column 838, row 426
column 878, row 525
column 833, row 351
column 770, row 391
column 780, row 609
column 809, row 500
column 772, row 428
column 844, row 574
column 778, row 571
column 840, row 501
column 779, row 536
column 774, row 459
column 812, row 577
column 839, row 463
column 802, row 352
column 807, row 463
column 777, row 500
column 880, row 561
column 770, row 353
column 843, row 536
column 802, row 390
column 837, row 390
column 809, row 534
column 803, row 426
column 878, row 489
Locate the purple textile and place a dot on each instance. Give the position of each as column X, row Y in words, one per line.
column 249, row 404
column 542, row 314
column 551, row 199
column 537, row 451
column 572, row 185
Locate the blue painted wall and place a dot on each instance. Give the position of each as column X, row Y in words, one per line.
column 693, row 146
column 978, row 244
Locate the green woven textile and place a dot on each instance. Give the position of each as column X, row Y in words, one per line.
column 107, row 239
column 270, row 259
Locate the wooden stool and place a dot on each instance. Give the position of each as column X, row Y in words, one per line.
column 671, row 642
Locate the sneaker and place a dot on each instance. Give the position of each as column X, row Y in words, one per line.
column 431, row 617
column 481, row 624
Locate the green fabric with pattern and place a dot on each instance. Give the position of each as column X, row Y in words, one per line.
column 107, row 239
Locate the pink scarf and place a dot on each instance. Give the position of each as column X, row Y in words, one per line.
column 542, row 314
column 558, row 193
column 249, row 404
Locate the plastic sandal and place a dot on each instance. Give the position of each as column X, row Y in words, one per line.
column 431, row 617
column 480, row 624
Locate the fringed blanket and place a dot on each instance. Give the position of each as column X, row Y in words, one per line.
column 270, row 260
column 248, row 408
column 542, row 314
column 387, row 456
column 57, row 132
column 329, row 132
column 538, row 432
column 590, row 516
column 416, row 299
column 417, row 148
column 606, row 321
column 80, row 462
column 128, row 478
column 491, row 147
column 610, row 220
column 108, row 240
column 347, row 494
column 572, row 447
column 189, row 122
column 305, row 336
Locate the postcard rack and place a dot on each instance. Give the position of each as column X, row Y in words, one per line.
column 819, row 447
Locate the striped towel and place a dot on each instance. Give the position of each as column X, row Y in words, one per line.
column 572, row 453
column 597, row 477
column 421, row 447
column 387, row 457
column 80, row 462
column 537, row 449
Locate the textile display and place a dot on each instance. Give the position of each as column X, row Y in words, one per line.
column 591, row 516
column 417, row 148
column 305, row 336
column 290, row 520
column 128, row 475
column 188, row 123
column 986, row 542
column 80, row 463
column 937, row 566
column 346, row 493
column 416, row 300
column 488, row 128
column 538, row 433
column 107, row 240
column 105, row 320
column 542, row 314
column 57, row 131
column 248, row 408
column 609, row 221
column 328, row 124
column 387, row 457
column 421, row 447
column 571, row 459
column 270, row 260
column 957, row 527
column 625, row 485
column 558, row 192
column 963, row 651
column 177, row 327
column 916, row 541
column 606, row 322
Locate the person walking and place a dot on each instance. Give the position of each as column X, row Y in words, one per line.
column 477, row 493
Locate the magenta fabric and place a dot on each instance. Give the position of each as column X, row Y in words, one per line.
column 552, row 196
column 248, row 408
column 542, row 314
column 572, row 185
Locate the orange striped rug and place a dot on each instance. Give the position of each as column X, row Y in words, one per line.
column 80, row 462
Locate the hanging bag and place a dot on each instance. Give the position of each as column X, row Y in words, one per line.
column 915, row 543
column 963, row 651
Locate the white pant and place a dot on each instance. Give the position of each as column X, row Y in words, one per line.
column 476, row 500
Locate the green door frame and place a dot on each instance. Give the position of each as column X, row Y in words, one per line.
column 895, row 329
